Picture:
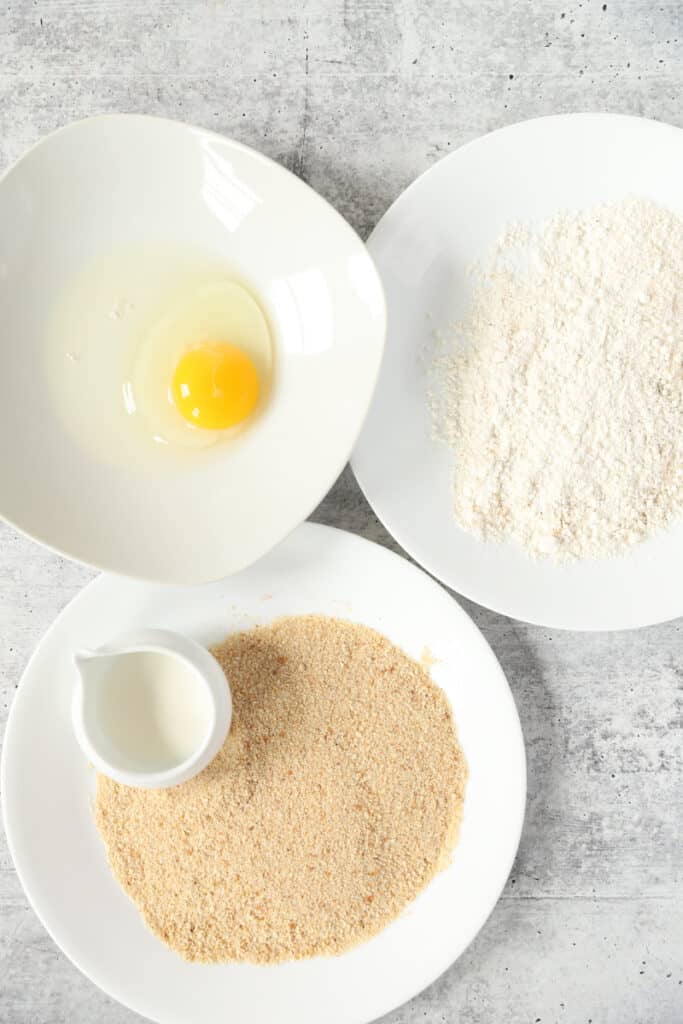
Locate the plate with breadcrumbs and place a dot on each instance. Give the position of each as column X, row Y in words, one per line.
column 525, row 439
column 344, row 847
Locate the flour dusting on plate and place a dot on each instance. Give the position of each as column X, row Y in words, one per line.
column 561, row 391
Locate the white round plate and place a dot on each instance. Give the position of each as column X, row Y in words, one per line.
column 447, row 219
column 111, row 183
column 47, row 790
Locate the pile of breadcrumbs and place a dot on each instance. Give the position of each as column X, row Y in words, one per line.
column 337, row 796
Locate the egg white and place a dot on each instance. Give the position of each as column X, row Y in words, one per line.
column 216, row 311
column 116, row 335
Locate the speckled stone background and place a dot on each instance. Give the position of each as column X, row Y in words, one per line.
column 358, row 97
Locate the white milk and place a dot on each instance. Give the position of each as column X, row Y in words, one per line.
column 154, row 710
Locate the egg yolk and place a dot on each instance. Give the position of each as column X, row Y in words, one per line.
column 215, row 386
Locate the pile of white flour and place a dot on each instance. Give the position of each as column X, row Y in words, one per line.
column 561, row 392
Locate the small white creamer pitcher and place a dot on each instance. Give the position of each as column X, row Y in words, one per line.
column 151, row 709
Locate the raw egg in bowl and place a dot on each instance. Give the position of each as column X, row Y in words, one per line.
column 192, row 338
column 157, row 351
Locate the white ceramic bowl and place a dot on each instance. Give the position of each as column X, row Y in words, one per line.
column 105, row 183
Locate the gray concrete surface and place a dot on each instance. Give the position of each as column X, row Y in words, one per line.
column 358, row 97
